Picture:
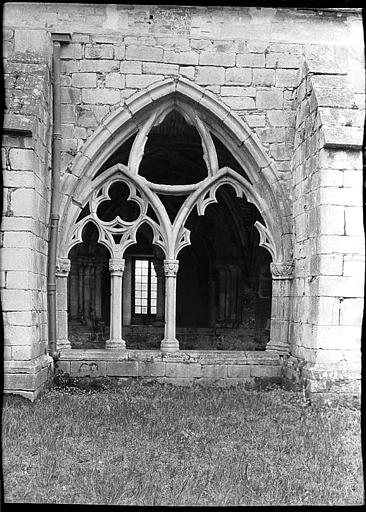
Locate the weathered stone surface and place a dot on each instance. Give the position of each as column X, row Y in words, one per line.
column 122, row 369
column 236, row 76
column 301, row 94
column 84, row 79
column 183, row 370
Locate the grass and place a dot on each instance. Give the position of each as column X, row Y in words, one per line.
column 157, row 444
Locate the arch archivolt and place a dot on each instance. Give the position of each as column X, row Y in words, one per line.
column 140, row 114
column 208, row 115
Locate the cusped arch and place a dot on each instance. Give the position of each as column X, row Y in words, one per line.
column 270, row 196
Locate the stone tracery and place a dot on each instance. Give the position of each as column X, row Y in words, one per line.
column 170, row 236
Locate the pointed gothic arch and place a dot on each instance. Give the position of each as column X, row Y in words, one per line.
column 137, row 117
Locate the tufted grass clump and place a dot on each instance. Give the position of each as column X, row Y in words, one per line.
column 179, row 446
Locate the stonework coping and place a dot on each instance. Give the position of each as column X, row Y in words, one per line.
column 171, row 267
column 282, row 270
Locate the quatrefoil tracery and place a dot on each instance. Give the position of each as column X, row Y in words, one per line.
column 171, row 237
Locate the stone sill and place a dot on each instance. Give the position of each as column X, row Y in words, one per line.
column 181, row 356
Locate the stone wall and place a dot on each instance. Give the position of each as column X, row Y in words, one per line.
column 26, row 164
column 295, row 76
column 327, row 179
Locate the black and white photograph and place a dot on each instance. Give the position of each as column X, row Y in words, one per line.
column 182, row 254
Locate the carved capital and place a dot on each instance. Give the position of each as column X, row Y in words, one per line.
column 116, row 265
column 63, row 266
column 283, row 270
column 171, row 268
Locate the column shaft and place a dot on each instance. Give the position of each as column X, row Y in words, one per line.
column 116, row 267
column 170, row 343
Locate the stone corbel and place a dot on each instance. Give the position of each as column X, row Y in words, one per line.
column 63, row 266
column 283, row 270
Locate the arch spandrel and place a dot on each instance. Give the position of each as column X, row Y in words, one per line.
column 265, row 191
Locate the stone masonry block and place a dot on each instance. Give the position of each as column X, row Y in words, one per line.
column 34, row 41
column 22, row 353
column 341, row 337
column 337, row 243
column 131, row 67
column 326, row 264
column 88, row 368
column 270, row 99
column 183, row 58
column 214, row 371
column 233, row 90
column 283, row 60
column 19, row 318
column 151, row 369
column 122, row 369
column 142, row 81
column 187, row 71
column 183, row 370
column 102, row 96
column 16, row 239
column 354, row 264
column 263, row 77
column 17, row 280
column 354, row 220
column 98, row 66
column 120, row 52
column 7, row 353
column 84, row 79
column 351, row 160
column 323, row 310
column 239, row 103
column 210, row 75
column 18, row 335
column 98, row 51
column 250, row 60
column 280, row 151
column 115, row 80
column 15, row 258
column 144, row 53
column 255, row 120
column 19, row 381
column 158, row 68
column 331, row 219
column 25, row 179
column 217, row 59
column 238, row 76
column 21, row 159
column 286, row 78
column 64, row 366
column 238, row 370
column 265, row 371
column 268, row 135
column 341, row 196
column 351, row 311
column 340, row 286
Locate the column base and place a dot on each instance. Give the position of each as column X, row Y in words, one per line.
column 115, row 344
column 63, row 345
column 279, row 347
column 167, row 345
